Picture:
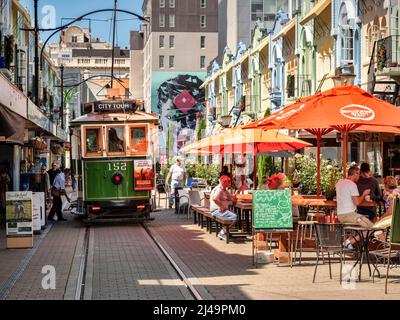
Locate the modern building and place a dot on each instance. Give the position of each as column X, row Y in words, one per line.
column 238, row 18
column 179, row 42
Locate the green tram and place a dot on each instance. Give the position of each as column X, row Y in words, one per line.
column 113, row 146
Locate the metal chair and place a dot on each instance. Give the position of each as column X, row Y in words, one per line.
column 184, row 202
column 389, row 254
column 162, row 188
column 330, row 238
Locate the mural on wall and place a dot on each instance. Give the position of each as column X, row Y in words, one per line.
column 178, row 100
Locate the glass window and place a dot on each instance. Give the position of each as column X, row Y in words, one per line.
column 202, row 42
column 202, row 62
column 161, row 61
column 172, row 3
column 203, row 4
column 162, row 3
column 162, row 20
column 116, row 139
column 202, row 21
column 93, row 140
column 172, row 21
column 171, row 41
column 171, row 61
column 138, row 140
column 161, row 41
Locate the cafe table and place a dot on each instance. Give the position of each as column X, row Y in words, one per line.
column 366, row 235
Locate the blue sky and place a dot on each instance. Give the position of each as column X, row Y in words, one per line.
column 101, row 29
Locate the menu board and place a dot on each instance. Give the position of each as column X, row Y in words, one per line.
column 272, row 210
column 19, row 219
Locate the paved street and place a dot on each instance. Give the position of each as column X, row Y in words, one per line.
column 123, row 263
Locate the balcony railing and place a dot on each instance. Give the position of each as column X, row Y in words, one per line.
column 388, row 53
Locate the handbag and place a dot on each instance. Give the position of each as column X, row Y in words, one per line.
column 55, row 192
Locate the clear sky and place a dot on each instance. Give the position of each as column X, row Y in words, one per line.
column 101, row 29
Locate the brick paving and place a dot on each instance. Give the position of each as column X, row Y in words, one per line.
column 57, row 249
column 126, row 265
column 226, row 270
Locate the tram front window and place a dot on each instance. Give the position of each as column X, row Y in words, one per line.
column 92, row 140
column 138, row 140
column 116, row 139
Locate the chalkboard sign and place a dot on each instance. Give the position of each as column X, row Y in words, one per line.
column 272, row 210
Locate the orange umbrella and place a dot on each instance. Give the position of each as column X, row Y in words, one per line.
column 344, row 109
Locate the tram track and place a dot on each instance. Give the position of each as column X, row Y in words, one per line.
column 83, row 263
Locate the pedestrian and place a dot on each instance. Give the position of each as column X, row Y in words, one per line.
column 58, row 190
column 367, row 181
column 177, row 173
column 53, row 172
column 4, row 184
column 220, row 200
column 225, row 172
column 46, row 179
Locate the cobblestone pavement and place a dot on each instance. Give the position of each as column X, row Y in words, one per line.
column 127, row 265
column 226, row 270
column 124, row 264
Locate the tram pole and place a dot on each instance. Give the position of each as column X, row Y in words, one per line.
column 62, row 96
column 36, row 33
column 113, row 44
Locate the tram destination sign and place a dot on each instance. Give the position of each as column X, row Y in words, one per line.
column 111, row 106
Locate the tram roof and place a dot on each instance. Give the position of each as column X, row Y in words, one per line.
column 138, row 116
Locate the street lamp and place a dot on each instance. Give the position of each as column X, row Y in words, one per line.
column 344, row 76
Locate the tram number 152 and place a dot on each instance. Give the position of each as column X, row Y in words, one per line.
column 117, row 166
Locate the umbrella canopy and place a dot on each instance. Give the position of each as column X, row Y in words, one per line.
column 345, row 109
column 237, row 140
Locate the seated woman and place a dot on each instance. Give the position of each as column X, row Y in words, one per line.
column 391, row 191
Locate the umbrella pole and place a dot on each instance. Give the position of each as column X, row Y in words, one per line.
column 255, row 178
column 344, row 153
column 319, row 137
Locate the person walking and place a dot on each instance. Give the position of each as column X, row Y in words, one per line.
column 57, row 190
column 177, row 174
column 53, row 172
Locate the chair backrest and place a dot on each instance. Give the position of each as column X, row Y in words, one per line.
column 195, row 198
column 395, row 225
column 184, row 199
column 329, row 235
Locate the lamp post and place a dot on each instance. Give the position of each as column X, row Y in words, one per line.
column 62, row 96
column 36, row 33
column 344, row 76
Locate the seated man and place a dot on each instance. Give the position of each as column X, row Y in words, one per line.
column 348, row 198
column 220, row 200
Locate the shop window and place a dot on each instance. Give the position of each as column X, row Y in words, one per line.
column 138, row 144
column 115, row 140
column 93, row 141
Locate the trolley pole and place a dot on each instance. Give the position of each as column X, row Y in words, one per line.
column 113, row 44
column 36, row 33
column 62, row 96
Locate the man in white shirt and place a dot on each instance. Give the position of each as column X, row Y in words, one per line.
column 57, row 190
column 348, row 198
column 177, row 173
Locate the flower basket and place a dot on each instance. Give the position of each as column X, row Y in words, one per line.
column 57, row 149
column 38, row 143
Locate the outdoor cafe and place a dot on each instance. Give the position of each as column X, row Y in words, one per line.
column 298, row 222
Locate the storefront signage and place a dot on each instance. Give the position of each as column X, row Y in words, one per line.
column 143, row 175
column 38, row 211
column 370, row 137
column 19, row 219
column 37, row 117
column 11, row 97
column 111, row 106
column 62, row 134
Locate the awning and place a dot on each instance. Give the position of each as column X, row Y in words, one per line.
column 315, row 11
column 212, row 78
column 12, row 126
column 289, row 26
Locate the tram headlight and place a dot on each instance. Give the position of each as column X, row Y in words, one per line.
column 117, row 179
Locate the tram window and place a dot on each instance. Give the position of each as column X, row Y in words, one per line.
column 116, row 139
column 138, row 140
column 92, row 140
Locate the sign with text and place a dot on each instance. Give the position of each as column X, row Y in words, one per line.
column 38, row 210
column 143, row 173
column 111, row 106
column 272, row 210
column 19, row 219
